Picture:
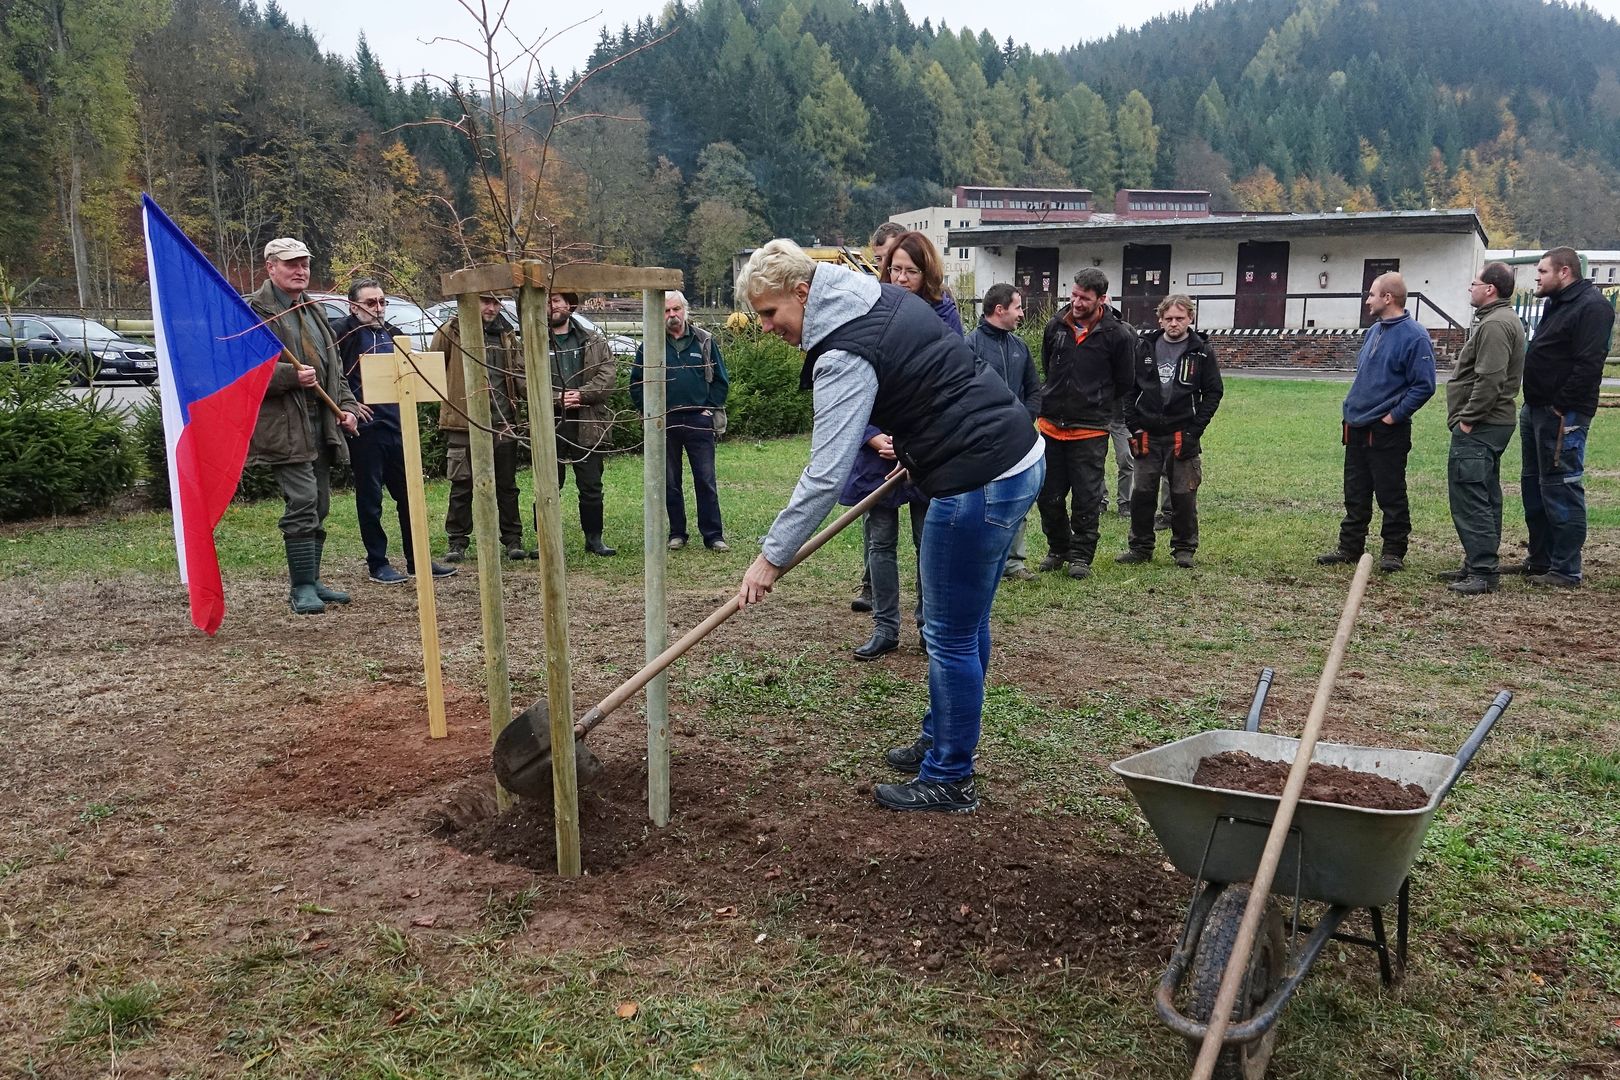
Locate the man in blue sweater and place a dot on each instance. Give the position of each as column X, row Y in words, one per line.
column 1394, row 377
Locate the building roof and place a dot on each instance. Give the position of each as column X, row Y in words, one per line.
column 1105, row 227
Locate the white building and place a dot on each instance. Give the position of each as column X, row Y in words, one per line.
column 1602, row 267
column 936, row 223
column 1250, row 271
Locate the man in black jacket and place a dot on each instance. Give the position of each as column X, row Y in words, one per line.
column 1177, row 390
column 375, row 451
column 1087, row 353
column 996, row 343
column 1562, row 372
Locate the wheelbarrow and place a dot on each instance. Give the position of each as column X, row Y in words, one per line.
column 1346, row 857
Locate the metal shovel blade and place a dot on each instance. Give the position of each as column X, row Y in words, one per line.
column 522, row 755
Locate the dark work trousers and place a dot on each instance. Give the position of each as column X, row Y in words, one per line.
column 691, row 431
column 881, row 529
column 1553, row 484
column 1184, row 476
column 1474, row 484
column 1074, row 469
column 377, row 456
column 588, row 478
column 458, row 521
column 306, row 486
column 1375, row 467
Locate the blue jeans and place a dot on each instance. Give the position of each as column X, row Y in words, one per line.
column 693, row 432
column 1554, row 495
column 964, row 549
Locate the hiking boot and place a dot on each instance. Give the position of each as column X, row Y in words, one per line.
column 387, row 575
column 1336, row 558
column 1475, row 585
column 594, row 545
column 1131, row 555
column 1550, row 580
column 876, row 646
column 303, row 563
column 720, row 547
column 516, row 552
column 1453, row 576
column 1021, row 574
column 1050, row 563
column 1391, row 564
column 862, row 601
column 1184, row 559
column 951, row 797
column 1079, row 570
column 1161, row 523
column 1523, row 568
column 327, row 595
column 456, row 553
column 439, row 570
column 908, row 759
column 676, row 543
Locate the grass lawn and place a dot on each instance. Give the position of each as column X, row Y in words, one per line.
column 166, row 909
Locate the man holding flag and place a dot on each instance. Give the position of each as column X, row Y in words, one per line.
column 306, row 409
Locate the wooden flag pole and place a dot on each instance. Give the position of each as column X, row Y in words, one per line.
column 1237, row 964
column 402, row 376
column 532, row 311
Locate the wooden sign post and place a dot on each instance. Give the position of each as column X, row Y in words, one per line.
column 405, row 377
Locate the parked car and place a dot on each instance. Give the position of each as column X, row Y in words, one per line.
column 621, row 345
column 88, row 349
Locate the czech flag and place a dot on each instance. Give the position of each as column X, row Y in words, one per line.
column 215, row 359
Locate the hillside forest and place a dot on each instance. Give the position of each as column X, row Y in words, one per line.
column 717, row 124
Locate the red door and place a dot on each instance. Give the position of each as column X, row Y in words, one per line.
column 1371, row 270
column 1147, row 281
column 1262, row 286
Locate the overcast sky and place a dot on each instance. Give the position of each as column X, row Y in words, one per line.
column 401, row 32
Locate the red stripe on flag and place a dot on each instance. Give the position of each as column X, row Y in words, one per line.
column 208, row 466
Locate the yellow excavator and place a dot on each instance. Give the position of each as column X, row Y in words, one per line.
column 856, row 259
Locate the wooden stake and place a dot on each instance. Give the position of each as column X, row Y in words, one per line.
column 553, row 575
column 406, row 377
column 655, row 528
column 486, row 519
column 1237, row 964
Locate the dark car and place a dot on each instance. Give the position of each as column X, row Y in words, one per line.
column 86, row 348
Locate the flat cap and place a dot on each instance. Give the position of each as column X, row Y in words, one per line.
column 285, row 247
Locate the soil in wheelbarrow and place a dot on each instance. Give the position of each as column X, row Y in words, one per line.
column 1238, row 771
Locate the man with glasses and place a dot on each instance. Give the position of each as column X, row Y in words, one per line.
column 376, row 451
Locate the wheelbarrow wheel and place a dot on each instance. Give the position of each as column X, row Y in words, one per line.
column 1246, row 1061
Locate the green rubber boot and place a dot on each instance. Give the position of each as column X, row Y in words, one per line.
column 303, row 565
column 330, row 596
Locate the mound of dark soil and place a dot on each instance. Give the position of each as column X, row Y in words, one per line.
column 929, row 892
column 1238, row 771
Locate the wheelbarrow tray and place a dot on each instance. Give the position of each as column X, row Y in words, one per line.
column 1351, row 856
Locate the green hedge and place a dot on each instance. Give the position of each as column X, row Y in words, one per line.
column 59, row 453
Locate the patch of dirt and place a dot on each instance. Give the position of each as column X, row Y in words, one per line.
column 920, row 891
column 1235, row 770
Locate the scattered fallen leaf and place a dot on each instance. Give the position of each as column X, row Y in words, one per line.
column 760, row 940
column 727, row 912
column 400, row 1015
column 277, row 888
column 627, row 1010
column 412, row 894
column 967, row 909
column 773, row 873
column 424, row 920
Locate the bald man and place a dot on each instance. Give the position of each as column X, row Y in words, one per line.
column 695, row 387
column 1394, row 377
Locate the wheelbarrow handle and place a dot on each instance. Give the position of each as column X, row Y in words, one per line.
column 1498, row 706
column 1261, row 689
column 655, row 666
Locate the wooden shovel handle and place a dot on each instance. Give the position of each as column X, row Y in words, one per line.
column 1237, row 964
column 657, row 664
column 319, row 389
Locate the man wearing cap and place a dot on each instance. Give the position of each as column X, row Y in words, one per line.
column 503, row 359
column 583, row 377
column 297, row 434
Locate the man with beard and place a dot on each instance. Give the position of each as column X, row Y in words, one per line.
column 583, row 377
column 695, row 403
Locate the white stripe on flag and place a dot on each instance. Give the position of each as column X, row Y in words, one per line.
column 169, row 395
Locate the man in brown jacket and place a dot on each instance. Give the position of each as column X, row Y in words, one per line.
column 504, row 360
column 583, row 376
column 297, row 435
column 1481, row 414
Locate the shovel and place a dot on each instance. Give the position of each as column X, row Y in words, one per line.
column 522, row 754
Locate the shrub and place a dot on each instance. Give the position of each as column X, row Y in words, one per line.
column 765, row 400
column 59, row 453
